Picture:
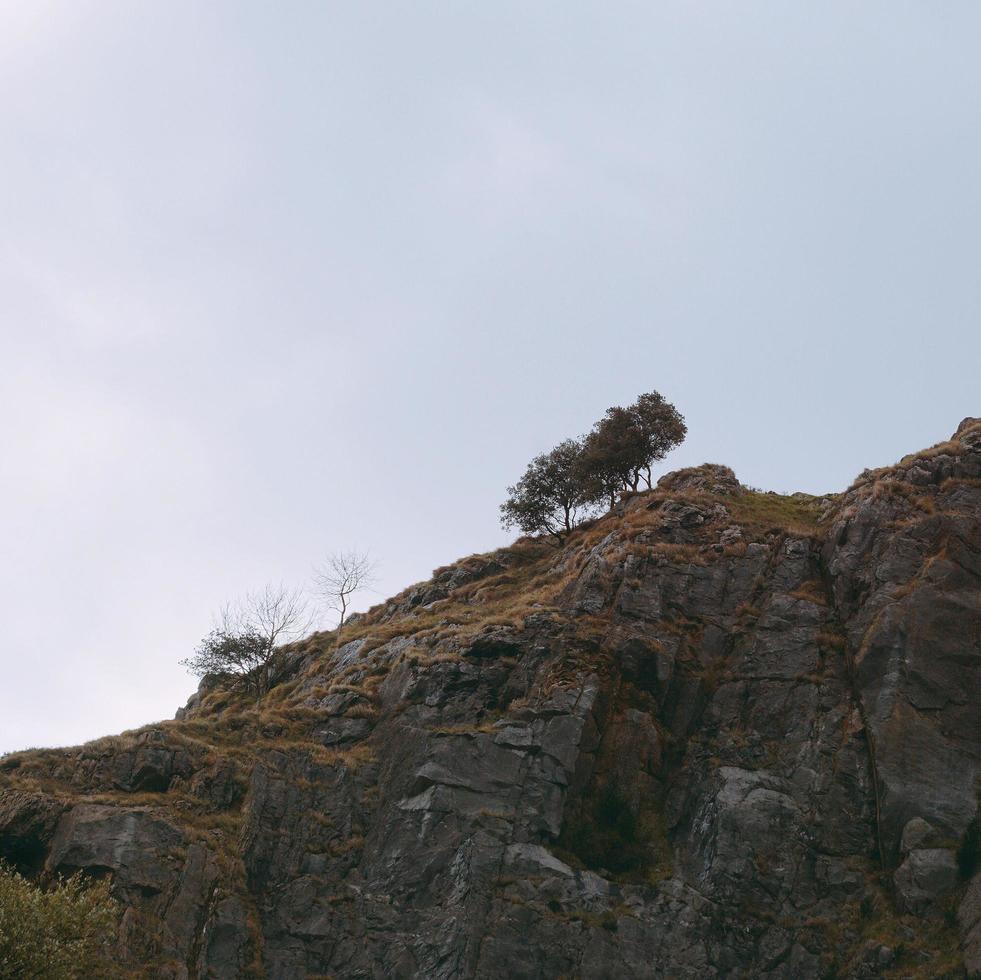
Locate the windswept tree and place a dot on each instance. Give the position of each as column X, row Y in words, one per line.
column 663, row 427
column 624, row 445
column 552, row 494
column 245, row 644
column 341, row 576
column 561, row 486
column 614, row 453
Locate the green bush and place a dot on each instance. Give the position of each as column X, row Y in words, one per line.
column 55, row 934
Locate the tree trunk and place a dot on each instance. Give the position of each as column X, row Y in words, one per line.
column 340, row 625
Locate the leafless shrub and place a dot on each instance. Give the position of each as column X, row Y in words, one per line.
column 341, row 576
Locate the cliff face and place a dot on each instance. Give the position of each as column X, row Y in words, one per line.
column 716, row 733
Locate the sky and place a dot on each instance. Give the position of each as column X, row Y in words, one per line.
column 283, row 279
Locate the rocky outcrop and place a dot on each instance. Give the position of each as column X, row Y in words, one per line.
column 717, row 733
column 709, row 478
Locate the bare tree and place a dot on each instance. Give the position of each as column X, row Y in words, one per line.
column 244, row 645
column 339, row 578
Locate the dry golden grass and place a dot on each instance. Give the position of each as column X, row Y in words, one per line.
column 830, row 641
column 688, row 554
column 483, row 728
column 352, row 758
column 951, row 482
column 346, row 845
column 762, row 512
column 747, row 611
column 812, row 591
column 501, row 600
column 950, row 447
column 366, row 711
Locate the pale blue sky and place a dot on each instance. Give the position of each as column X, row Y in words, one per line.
column 283, row 278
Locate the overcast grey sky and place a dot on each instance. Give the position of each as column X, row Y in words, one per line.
column 284, row 278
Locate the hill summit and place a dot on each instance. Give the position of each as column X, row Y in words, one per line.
column 715, row 733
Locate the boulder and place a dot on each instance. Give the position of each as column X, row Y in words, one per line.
column 925, row 876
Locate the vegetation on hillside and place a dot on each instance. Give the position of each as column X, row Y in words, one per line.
column 243, row 648
column 57, row 934
column 568, row 484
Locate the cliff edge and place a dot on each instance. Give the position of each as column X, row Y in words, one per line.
column 716, row 733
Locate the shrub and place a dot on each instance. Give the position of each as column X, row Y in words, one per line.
column 243, row 649
column 57, row 934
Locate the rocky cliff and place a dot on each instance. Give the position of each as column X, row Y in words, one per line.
column 716, row 733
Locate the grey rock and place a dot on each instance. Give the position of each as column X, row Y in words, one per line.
column 27, row 824
column 709, row 477
column 343, row 730
column 915, row 835
column 925, row 876
column 105, row 838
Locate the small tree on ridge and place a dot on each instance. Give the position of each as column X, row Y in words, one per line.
column 244, row 645
column 663, row 427
column 560, row 487
column 551, row 494
column 626, row 442
column 339, row 578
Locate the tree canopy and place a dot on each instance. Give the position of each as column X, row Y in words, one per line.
column 551, row 493
column 58, row 933
column 663, row 427
column 562, row 487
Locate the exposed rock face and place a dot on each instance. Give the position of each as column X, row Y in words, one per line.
column 709, row 477
column 719, row 733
